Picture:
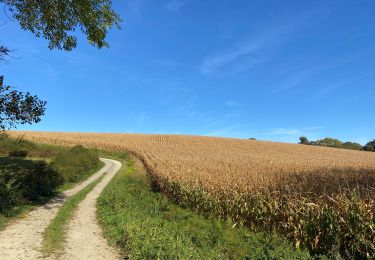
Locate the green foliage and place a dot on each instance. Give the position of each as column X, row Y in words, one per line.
column 57, row 21
column 25, row 181
column 370, row 146
column 18, row 108
column 42, row 180
column 303, row 140
column 76, row 163
column 352, row 146
column 329, row 142
column 8, row 145
column 147, row 226
column 332, row 142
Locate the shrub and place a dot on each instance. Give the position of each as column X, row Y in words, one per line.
column 41, row 181
column 23, row 181
column 76, row 163
column 10, row 192
column 18, row 153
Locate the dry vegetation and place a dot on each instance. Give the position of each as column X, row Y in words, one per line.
column 321, row 198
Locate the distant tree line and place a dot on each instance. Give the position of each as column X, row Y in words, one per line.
column 336, row 143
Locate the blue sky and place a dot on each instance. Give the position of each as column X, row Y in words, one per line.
column 273, row 70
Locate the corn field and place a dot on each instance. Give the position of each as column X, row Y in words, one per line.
column 320, row 198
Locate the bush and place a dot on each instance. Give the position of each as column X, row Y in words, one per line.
column 23, row 181
column 41, row 181
column 18, row 153
column 76, row 163
column 10, row 192
column 370, row 146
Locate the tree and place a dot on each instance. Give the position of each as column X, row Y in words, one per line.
column 370, row 146
column 4, row 52
column 329, row 142
column 303, row 140
column 18, row 107
column 56, row 21
column 352, row 146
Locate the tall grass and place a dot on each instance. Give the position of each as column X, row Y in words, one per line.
column 76, row 163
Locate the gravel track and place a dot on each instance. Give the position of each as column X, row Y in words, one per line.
column 84, row 239
column 23, row 237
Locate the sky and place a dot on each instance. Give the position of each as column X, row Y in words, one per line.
column 270, row 70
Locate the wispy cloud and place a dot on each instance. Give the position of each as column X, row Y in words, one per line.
column 248, row 53
column 135, row 5
column 300, row 72
column 232, row 104
column 257, row 49
column 175, row 5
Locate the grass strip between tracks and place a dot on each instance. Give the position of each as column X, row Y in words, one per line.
column 54, row 234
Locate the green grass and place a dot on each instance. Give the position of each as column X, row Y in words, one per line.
column 146, row 225
column 69, row 185
column 76, row 163
column 73, row 165
column 8, row 144
column 54, row 233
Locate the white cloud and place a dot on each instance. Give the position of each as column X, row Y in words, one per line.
column 175, row 5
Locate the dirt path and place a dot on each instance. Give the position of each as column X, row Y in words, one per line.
column 22, row 238
column 84, row 238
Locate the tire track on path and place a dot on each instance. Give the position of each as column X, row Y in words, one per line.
column 23, row 238
column 84, row 238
